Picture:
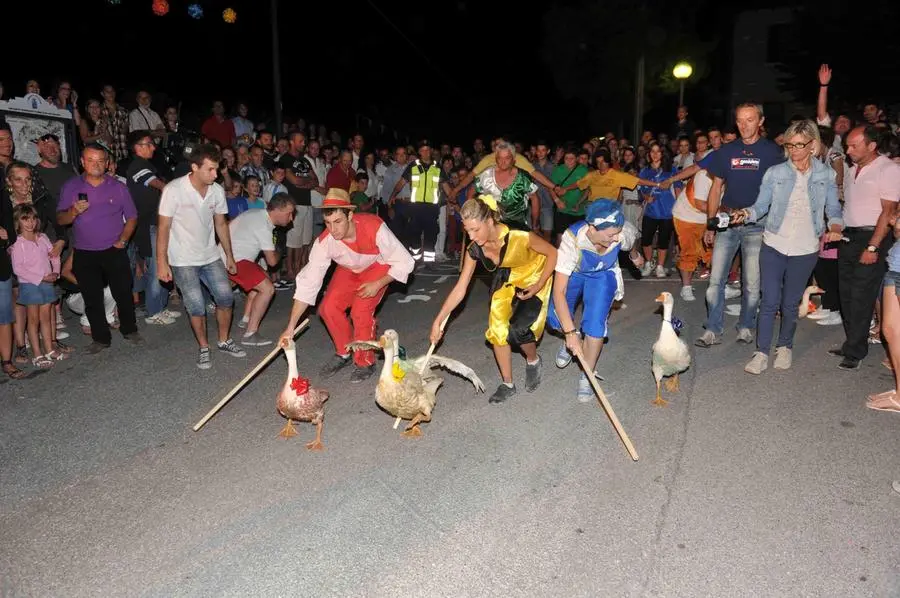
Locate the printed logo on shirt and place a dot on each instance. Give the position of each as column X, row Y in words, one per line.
column 745, row 163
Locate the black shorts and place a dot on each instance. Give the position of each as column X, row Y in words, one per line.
column 649, row 227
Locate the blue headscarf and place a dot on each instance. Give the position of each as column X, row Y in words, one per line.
column 604, row 213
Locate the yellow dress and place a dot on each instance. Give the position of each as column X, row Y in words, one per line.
column 511, row 320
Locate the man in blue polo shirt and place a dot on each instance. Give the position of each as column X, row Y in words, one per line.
column 740, row 166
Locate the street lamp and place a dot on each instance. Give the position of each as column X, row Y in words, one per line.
column 682, row 71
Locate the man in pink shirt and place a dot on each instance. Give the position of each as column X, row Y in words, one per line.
column 871, row 193
column 369, row 257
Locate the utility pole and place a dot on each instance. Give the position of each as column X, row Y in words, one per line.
column 276, row 70
column 639, row 101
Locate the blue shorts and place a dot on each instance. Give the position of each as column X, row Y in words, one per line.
column 36, row 294
column 6, row 302
column 597, row 292
column 192, row 279
column 892, row 279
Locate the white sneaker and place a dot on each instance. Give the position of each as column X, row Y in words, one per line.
column 61, row 335
column 172, row 315
column 159, row 320
column 687, row 294
column 833, row 319
column 243, row 323
column 783, row 358
column 647, row 269
column 661, row 272
column 732, row 292
column 758, row 364
column 819, row 314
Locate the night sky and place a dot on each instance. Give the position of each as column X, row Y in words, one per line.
column 467, row 68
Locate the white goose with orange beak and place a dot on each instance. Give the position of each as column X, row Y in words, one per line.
column 670, row 354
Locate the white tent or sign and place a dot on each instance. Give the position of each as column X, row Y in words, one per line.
column 30, row 118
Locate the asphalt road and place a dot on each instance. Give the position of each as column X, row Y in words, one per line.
column 777, row 485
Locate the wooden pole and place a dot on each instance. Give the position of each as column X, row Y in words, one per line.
column 237, row 387
column 589, row 372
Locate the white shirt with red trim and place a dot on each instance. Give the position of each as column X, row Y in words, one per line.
column 374, row 244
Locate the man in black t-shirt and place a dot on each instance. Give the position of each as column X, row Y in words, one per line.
column 145, row 186
column 299, row 179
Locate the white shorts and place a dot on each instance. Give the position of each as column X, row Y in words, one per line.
column 301, row 234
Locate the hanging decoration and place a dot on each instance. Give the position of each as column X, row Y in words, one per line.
column 196, row 11
column 160, row 7
column 229, row 15
column 115, row 2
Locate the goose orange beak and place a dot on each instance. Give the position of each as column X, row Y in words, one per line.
column 382, row 342
column 660, row 299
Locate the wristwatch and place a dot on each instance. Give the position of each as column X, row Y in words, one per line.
column 872, row 248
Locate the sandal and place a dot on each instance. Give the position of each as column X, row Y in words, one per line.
column 56, row 356
column 42, row 362
column 880, row 395
column 12, row 371
column 886, row 402
column 63, row 348
column 21, row 354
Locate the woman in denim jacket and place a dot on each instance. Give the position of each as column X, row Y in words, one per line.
column 797, row 195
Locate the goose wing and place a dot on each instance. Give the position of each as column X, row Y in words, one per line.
column 452, row 365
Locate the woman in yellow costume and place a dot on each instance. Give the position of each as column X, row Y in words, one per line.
column 522, row 264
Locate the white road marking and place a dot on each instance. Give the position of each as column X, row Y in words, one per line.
column 409, row 298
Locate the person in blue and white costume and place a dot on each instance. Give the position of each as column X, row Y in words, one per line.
column 587, row 269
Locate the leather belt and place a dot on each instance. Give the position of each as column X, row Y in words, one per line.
column 632, row 202
column 859, row 229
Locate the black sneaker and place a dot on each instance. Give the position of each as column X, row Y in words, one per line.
column 848, row 363
column 533, row 375
column 96, row 347
column 836, row 352
column 361, row 374
column 336, row 364
column 502, row 393
column 134, row 338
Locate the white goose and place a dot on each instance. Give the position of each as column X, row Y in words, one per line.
column 670, row 354
column 407, row 388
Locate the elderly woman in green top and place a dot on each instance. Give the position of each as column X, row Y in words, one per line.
column 513, row 190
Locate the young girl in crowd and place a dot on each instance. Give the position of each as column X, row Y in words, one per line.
column 658, row 205
column 36, row 271
column 522, row 264
column 252, row 190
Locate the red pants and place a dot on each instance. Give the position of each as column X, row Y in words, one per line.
column 341, row 296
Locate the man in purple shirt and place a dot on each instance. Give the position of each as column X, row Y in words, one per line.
column 103, row 218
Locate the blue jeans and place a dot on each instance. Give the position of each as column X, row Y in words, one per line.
column 749, row 239
column 193, row 279
column 784, row 279
column 7, row 316
column 156, row 296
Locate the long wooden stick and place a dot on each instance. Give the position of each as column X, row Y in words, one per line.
column 608, row 408
column 237, row 387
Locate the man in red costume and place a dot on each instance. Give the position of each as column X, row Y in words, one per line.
column 368, row 257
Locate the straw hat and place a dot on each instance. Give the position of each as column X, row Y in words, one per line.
column 337, row 198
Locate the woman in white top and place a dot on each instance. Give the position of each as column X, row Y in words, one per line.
column 797, row 195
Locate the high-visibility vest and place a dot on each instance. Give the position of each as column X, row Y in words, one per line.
column 425, row 184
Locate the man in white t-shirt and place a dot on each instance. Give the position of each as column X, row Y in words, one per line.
column 689, row 218
column 192, row 212
column 252, row 233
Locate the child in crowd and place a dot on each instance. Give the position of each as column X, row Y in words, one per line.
column 276, row 185
column 363, row 203
column 36, row 271
column 252, row 190
column 237, row 203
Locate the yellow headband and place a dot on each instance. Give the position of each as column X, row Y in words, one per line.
column 489, row 201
